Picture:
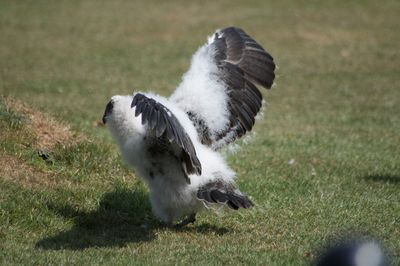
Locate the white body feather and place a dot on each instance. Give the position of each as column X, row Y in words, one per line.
column 202, row 92
column 215, row 104
column 171, row 196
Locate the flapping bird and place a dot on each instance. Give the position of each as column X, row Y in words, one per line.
column 175, row 143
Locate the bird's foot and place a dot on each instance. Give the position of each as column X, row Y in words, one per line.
column 188, row 220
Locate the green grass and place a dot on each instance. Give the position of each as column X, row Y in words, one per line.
column 335, row 111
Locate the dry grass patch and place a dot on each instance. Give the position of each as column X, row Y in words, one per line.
column 29, row 138
column 47, row 130
column 16, row 170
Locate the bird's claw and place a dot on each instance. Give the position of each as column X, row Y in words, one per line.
column 188, row 220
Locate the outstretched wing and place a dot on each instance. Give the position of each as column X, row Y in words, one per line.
column 165, row 125
column 219, row 91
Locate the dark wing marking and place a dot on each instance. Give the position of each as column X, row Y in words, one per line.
column 220, row 192
column 242, row 64
column 237, row 48
column 163, row 122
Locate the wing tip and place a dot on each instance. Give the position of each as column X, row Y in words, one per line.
column 221, row 192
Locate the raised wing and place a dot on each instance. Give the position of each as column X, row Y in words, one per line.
column 219, row 91
column 165, row 125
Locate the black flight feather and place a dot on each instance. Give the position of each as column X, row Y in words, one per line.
column 219, row 191
column 164, row 123
column 242, row 64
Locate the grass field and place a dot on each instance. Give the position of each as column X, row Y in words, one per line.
column 67, row 198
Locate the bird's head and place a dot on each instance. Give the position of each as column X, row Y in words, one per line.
column 120, row 118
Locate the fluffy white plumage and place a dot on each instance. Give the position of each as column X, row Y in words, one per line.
column 202, row 92
column 173, row 142
column 171, row 197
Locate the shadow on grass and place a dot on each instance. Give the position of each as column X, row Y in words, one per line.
column 383, row 178
column 124, row 216
column 204, row 228
column 119, row 220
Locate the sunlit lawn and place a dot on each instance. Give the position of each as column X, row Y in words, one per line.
column 324, row 161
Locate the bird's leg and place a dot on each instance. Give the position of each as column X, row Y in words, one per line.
column 190, row 219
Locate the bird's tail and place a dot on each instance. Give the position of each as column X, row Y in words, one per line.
column 224, row 193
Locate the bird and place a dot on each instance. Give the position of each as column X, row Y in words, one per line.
column 175, row 143
column 354, row 252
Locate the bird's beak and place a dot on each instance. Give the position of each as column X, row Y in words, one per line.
column 108, row 111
